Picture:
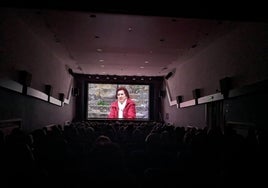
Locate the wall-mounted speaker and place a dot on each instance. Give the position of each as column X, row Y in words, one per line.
column 48, row 90
column 179, row 99
column 196, row 93
column 75, row 92
column 225, row 86
column 61, row 97
column 25, row 78
column 168, row 75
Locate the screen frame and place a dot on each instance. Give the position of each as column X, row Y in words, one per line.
column 156, row 86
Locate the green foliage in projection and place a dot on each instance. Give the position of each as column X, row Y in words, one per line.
column 102, row 103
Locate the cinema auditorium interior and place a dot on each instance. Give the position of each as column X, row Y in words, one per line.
column 196, row 72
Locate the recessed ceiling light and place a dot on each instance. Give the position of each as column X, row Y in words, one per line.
column 146, row 62
column 141, row 67
column 101, row 60
column 99, row 50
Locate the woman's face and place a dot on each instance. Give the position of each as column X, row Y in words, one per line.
column 121, row 96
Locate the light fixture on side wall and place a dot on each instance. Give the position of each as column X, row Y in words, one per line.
column 25, row 78
column 225, row 86
column 61, row 97
column 196, row 95
column 179, row 99
column 48, row 89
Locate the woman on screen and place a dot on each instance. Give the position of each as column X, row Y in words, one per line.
column 123, row 107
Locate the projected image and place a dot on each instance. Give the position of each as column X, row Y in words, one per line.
column 101, row 96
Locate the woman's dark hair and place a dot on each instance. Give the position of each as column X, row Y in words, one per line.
column 125, row 91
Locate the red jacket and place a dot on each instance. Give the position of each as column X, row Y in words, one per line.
column 129, row 111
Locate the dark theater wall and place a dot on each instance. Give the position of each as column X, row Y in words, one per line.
column 241, row 55
column 23, row 51
column 32, row 112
